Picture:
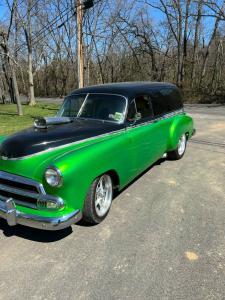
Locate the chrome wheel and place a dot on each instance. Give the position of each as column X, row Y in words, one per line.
column 182, row 145
column 103, row 195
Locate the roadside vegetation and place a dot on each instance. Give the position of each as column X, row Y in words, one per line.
column 10, row 122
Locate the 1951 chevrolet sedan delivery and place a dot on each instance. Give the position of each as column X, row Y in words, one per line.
column 67, row 167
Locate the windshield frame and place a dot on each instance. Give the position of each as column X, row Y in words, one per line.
column 87, row 94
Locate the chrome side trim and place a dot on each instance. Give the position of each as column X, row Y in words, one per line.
column 166, row 116
column 181, row 111
column 68, row 145
column 14, row 217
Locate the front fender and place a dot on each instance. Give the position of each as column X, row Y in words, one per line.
column 81, row 166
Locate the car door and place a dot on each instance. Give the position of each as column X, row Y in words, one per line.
column 144, row 134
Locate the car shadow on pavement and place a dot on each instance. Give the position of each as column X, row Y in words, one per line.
column 45, row 236
column 36, row 235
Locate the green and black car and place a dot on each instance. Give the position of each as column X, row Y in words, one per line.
column 67, row 167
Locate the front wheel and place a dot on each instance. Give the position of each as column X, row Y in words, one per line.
column 178, row 153
column 98, row 200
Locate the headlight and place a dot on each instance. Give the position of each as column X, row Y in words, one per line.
column 53, row 177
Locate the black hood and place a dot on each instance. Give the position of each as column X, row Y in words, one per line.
column 35, row 140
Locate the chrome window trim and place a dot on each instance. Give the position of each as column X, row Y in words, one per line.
column 109, row 94
column 81, row 108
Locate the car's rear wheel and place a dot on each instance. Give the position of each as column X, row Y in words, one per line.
column 178, row 153
column 98, row 200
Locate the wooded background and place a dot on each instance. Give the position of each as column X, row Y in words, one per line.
column 166, row 40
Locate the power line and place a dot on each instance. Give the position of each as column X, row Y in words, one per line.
column 66, row 11
column 53, row 29
column 47, row 26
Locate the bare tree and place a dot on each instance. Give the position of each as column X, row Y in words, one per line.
column 8, row 62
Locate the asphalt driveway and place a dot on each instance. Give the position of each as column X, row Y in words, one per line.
column 163, row 239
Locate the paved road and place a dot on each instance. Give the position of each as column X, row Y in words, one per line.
column 163, row 239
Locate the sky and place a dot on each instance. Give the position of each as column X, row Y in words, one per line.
column 156, row 16
column 2, row 10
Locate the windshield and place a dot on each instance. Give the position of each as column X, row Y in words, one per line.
column 94, row 106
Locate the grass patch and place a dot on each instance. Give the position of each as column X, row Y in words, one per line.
column 10, row 122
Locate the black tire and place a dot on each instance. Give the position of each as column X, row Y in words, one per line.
column 90, row 214
column 176, row 154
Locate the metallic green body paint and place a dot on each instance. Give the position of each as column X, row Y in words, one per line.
column 127, row 152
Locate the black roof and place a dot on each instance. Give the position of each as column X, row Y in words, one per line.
column 127, row 89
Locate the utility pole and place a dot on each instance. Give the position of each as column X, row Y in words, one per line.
column 81, row 6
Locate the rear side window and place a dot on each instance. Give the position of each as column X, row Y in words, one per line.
column 166, row 100
column 158, row 103
column 173, row 99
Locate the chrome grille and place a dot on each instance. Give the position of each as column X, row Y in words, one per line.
column 24, row 191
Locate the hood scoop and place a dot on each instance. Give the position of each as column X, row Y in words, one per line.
column 43, row 123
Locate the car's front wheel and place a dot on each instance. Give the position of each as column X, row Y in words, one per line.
column 98, row 200
column 178, row 153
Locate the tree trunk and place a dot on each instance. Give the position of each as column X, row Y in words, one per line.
column 31, row 98
column 11, row 75
column 185, row 39
column 28, row 35
column 205, row 60
column 196, row 40
column 16, row 91
column 179, row 46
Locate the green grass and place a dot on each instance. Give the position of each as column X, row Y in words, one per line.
column 10, row 122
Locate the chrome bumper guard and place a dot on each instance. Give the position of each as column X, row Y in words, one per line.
column 13, row 217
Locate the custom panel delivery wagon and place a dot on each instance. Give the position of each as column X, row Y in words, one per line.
column 67, row 167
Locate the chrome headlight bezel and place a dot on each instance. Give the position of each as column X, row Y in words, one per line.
column 53, row 177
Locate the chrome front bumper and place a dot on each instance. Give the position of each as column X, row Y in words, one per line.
column 12, row 216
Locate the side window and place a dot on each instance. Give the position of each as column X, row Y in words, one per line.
column 131, row 112
column 144, row 107
column 174, row 99
column 159, row 104
column 165, row 100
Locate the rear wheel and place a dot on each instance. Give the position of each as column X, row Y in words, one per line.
column 178, row 153
column 98, row 200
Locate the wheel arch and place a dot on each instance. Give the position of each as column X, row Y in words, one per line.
column 115, row 178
